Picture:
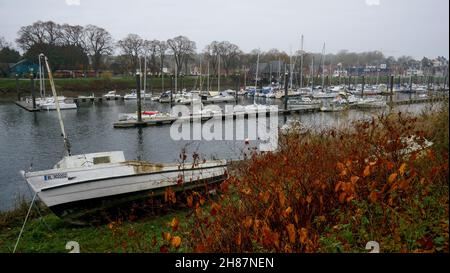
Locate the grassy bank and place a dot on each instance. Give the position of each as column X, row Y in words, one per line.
column 50, row 234
column 99, row 86
column 328, row 191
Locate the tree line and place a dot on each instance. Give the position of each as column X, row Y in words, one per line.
column 92, row 47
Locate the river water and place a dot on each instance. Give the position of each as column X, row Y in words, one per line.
column 33, row 140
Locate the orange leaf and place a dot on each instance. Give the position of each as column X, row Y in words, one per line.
column 291, row 233
column 366, row 171
column 303, row 235
column 287, row 211
column 282, row 198
column 175, row 241
column 392, row 177
column 174, row 223
column 248, row 221
column 309, row 199
column 238, row 239
column 389, row 165
column 354, row 179
column 402, row 168
column 166, row 236
column 373, row 196
column 190, row 199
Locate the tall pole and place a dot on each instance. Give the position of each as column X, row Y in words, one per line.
column 207, row 78
column 256, row 78
column 301, row 64
column 286, row 76
column 323, row 66
column 58, row 109
column 312, row 73
column 17, row 87
column 33, row 97
column 145, row 75
column 138, row 94
column 218, row 74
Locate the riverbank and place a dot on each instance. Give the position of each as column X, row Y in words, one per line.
column 327, row 191
column 99, row 86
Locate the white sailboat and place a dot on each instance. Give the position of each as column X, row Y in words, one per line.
column 98, row 180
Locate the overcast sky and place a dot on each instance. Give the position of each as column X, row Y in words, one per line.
column 396, row 27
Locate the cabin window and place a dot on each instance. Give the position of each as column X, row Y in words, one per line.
column 102, row 160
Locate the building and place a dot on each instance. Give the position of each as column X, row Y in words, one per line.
column 23, row 68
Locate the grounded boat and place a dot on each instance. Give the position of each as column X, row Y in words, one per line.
column 79, row 181
column 84, row 183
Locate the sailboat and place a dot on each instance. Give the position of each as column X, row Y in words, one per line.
column 95, row 181
column 49, row 103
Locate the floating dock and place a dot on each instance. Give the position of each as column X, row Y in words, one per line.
column 169, row 120
column 95, row 99
column 27, row 106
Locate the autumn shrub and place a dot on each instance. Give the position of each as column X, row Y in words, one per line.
column 335, row 190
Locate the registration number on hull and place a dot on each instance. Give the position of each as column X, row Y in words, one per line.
column 55, row 176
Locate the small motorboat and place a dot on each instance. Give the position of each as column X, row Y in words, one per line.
column 111, row 95
column 133, row 95
column 64, row 104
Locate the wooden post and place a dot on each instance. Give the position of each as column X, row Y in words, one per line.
column 138, row 94
column 17, row 87
column 33, row 97
column 362, row 86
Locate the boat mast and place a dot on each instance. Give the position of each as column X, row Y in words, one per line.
column 301, row 64
column 58, row 110
column 145, row 75
column 256, row 77
column 218, row 73
column 290, row 72
column 312, row 72
column 245, row 77
column 323, row 67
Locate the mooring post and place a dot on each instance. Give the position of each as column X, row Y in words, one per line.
column 286, row 79
column 138, row 95
column 33, row 97
column 362, row 85
column 17, row 87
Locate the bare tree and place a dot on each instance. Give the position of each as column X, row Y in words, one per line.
column 211, row 52
column 229, row 53
column 132, row 47
column 52, row 32
column 3, row 43
column 150, row 49
column 162, row 49
column 181, row 47
column 73, row 35
column 98, row 42
column 31, row 35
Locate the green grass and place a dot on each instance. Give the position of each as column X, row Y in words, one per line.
column 50, row 234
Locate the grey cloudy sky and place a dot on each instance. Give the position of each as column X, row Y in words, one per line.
column 397, row 27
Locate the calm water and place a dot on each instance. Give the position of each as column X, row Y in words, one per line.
column 33, row 139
